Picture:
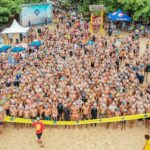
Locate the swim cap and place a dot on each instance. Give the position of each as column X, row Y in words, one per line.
column 38, row 118
column 46, row 106
column 1, row 109
column 95, row 105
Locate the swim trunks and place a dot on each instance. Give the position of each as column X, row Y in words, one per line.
column 47, row 118
column 147, row 118
column 7, row 112
column 33, row 118
column 39, row 135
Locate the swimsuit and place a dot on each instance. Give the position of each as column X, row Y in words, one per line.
column 7, row 112
column 147, row 118
column 94, row 113
column 66, row 114
column 39, row 135
column 47, row 118
column 102, row 115
column 85, row 117
column 33, row 117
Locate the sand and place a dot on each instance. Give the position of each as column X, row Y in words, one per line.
column 91, row 138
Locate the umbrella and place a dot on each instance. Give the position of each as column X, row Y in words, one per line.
column 119, row 15
column 5, row 48
column 35, row 43
column 17, row 49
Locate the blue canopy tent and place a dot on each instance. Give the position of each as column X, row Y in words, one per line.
column 4, row 48
column 35, row 44
column 119, row 15
column 17, row 49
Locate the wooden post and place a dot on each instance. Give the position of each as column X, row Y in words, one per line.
column 91, row 25
column 102, row 23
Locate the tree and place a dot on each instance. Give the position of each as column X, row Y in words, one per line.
column 9, row 8
column 137, row 8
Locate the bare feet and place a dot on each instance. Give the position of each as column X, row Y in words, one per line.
column 42, row 146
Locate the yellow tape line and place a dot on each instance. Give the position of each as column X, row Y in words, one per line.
column 81, row 122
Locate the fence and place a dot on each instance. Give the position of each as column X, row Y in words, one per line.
column 80, row 122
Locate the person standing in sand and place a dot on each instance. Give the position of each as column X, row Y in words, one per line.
column 85, row 110
column 1, row 119
column 66, row 112
column 94, row 112
column 54, row 112
column 60, row 110
column 147, row 145
column 39, row 127
column 47, row 113
column 26, row 113
column 33, row 112
column 74, row 112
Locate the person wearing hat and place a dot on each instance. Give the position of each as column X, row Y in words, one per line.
column 47, row 113
column 26, row 113
column 102, row 109
column 33, row 112
column 74, row 112
column 66, row 113
column 94, row 112
column 54, row 112
column 60, row 110
column 13, row 111
column 39, row 127
column 85, row 110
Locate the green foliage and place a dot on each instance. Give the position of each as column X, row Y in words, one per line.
column 66, row 6
column 138, row 8
column 135, row 8
column 9, row 8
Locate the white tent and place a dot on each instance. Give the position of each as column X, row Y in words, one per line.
column 15, row 28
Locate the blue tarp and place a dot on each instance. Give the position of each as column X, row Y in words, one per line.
column 35, row 44
column 5, row 48
column 90, row 42
column 17, row 49
column 119, row 15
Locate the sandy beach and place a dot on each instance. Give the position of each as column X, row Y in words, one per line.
column 96, row 138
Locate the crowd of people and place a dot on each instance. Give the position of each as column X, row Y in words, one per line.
column 76, row 75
